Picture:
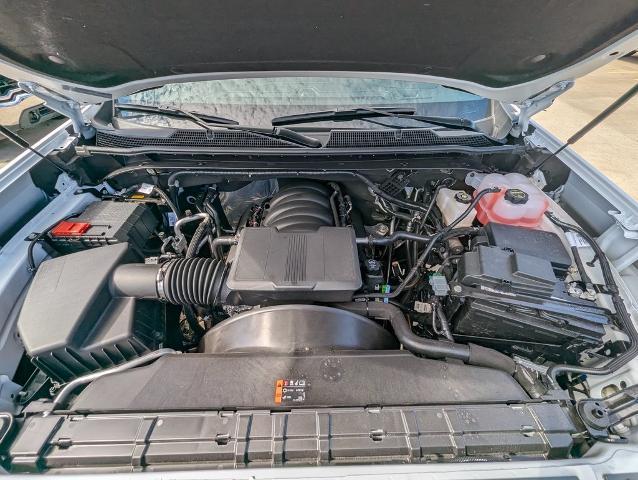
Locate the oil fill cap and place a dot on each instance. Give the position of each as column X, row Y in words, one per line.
column 516, row 196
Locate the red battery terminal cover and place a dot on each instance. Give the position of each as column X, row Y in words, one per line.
column 70, row 229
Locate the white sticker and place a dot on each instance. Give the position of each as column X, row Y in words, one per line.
column 575, row 240
column 422, row 307
column 145, row 188
column 172, row 218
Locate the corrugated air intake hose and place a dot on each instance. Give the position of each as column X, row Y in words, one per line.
column 184, row 281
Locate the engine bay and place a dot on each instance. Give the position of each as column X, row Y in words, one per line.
column 419, row 295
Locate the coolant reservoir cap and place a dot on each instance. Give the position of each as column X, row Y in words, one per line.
column 516, row 196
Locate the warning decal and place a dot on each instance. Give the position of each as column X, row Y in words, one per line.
column 291, row 390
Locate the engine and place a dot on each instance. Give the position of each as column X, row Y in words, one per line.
column 300, row 265
column 254, row 304
column 300, row 252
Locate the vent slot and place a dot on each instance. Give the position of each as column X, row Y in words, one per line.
column 338, row 139
column 402, row 138
column 295, row 272
column 191, row 138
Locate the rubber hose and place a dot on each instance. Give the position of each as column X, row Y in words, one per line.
column 197, row 237
column 471, row 354
column 445, row 325
column 191, row 281
column 184, row 281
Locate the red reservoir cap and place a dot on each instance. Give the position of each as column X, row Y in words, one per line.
column 70, row 229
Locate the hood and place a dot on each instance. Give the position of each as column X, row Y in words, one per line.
column 508, row 50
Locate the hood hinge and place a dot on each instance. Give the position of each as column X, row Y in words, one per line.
column 63, row 105
column 524, row 110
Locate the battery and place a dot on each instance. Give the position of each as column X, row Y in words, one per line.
column 103, row 223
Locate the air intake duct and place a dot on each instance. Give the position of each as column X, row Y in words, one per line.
column 184, row 281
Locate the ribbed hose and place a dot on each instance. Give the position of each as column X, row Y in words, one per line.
column 191, row 281
column 183, row 281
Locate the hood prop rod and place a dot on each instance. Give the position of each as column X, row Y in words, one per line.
column 22, row 143
column 624, row 98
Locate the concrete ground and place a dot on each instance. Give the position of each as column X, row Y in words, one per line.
column 612, row 146
column 9, row 117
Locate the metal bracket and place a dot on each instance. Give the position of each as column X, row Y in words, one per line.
column 530, row 107
column 628, row 222
column 605, row 417
column 63, row 105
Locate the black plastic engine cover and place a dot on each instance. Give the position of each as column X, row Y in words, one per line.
column 270, row 265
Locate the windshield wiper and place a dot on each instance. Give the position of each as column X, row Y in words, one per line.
column 208, row 122
column 175, row 112
column 363, row 113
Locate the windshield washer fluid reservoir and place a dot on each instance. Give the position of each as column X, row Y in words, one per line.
column 520, row 202
column 452, row 204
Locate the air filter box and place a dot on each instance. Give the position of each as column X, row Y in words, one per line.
column 71, row 324
column 274, row 266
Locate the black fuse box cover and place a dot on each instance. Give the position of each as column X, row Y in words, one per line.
column 537, row 243
column 531, row 333
column 493, row 269
column 110, row 222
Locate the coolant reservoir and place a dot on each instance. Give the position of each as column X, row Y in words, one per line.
column 452, row 203
column 520, row 202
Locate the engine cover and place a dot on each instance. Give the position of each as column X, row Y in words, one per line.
column 271, row 265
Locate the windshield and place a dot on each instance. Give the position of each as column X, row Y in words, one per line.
column 255, row 101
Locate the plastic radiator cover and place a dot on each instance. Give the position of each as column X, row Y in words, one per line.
column 330, row 379
column 302, row 437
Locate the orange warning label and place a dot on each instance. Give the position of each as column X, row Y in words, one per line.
column 279, row 390
column 291, row 390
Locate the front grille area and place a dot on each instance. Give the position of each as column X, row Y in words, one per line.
column 402, row 138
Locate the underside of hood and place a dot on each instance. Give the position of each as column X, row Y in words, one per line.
column 508, row 50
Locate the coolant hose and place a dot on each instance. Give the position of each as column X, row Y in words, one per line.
column 471, row 354
column 183, row 281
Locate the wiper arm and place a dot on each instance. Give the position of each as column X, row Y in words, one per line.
column 209, row 121
column 363, row 113
column 176, row 112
